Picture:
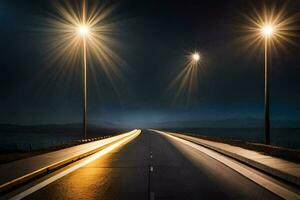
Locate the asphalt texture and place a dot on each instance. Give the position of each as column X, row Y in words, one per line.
column 153, row 167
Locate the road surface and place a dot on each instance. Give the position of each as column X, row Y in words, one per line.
column 153, row 166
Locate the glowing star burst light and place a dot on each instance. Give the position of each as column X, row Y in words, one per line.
column 74, row 22
column 271, row 28
column 83, row 30
column 267, row 30
column 81, row 34
column 196, row 57
column 186, row 81
column 274, row 24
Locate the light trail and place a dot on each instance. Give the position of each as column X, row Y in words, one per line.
column 75, row 167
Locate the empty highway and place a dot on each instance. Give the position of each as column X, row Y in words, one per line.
column 153, row 166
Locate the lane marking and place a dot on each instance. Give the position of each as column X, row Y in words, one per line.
column 151, row 168
column 265, row 183
column 83, row 150
column 73, row 168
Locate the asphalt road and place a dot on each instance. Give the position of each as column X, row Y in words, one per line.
column 153, row 167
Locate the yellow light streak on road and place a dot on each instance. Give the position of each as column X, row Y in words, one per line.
column 130, row 136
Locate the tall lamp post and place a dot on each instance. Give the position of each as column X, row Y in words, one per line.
column 83, row 30
column 273, row 26
column 267, row 31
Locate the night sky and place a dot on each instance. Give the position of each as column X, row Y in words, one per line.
column 154, row 37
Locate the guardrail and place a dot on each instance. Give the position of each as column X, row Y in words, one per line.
column 46, row 169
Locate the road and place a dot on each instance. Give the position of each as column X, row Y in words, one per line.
column 153, row 166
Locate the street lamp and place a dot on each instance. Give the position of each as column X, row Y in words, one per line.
column 186, row 81
column 267, row 31
column 269, row 28
column 196, row 57
column 79, row 28
column 84, row 31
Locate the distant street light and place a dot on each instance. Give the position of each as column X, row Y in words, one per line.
column 186, row 81
column 196, row 57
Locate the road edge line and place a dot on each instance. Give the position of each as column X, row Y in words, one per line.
column 88, row 160
column 44, row 170
column 263, row 182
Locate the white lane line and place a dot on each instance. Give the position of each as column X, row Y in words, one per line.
column 269, row 185
column 80, row 150
column 73, row 168
column 151, row 168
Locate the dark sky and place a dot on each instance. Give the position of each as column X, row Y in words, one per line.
column 154, row 37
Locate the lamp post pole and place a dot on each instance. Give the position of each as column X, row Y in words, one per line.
column 84, row 79
column 267, row 106
column 84, row 32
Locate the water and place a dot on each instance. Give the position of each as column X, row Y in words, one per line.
column 29, row 138
column 34, row 141
column 283, row 137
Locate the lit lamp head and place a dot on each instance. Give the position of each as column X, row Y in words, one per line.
column 196, row 57
column 83, row 30
column 267, row 30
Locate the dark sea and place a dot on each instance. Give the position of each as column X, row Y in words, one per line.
column 34, row 141
column 283, row 137
column 27, row 138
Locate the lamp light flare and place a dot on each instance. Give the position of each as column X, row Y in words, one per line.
column 196, row 57
column 186, row 81
column 75, row 31
column 69, row 28
column 267, row 30
column 83, row 30
column 272, row 23
column 270, row 28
